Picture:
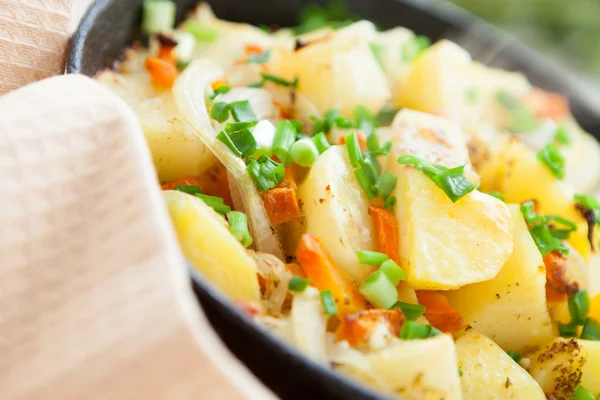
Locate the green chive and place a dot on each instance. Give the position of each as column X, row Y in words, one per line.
column 390, row 203
column 532, row 219
column 328, row 303
column 385, row 185
column 563, row 221
column 242, row 143
column 582, row 393
column 201, row 33
column 258, row 84
column 297, row 124
column 220, row 111
column 330, row 119
column 414, row 47
column 386, row 115
column 226, row 139
column 379, row 291
column 498, row 195
column 238, row 225
column 591, row 330
column 588, row 202
column 545, row 242
column 579, row 307
column 413, row 330
column 189, row 189
column 320, row 140
column 353, row 150
column 214, row 202
column 506, row 100
column 182, row 64
column 371, row 166
column 522, row 119
column 562, row 136
column 411, row 311
column 365, row 182
column 304, row 152
column 158, row 16
column 366, row 121
column 371, row 257
column 236, row 126
column 550, row 156
column 279, row 81
column 221, row 89
column 567, row 330
column 394, row 273
column 242, row 111
column 460, row 372
column 298, row 284
column 265, row 172
column 285, row 135
column 515, row 355
column 451, row 180
column 259, row 58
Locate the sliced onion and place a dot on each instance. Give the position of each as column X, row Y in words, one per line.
column 276, row 278
column 189, row 92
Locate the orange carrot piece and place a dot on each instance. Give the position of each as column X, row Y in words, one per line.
column 558, row 287
column 439, row 312
column 295, row 269
column 281, row 202
column 254, row 49
column 325, row 275
column 217, row 83
column 165, row 53
column 362, row 140
column 186, row 180
column 548, row 105
column 214, row 182
column 161, row 72
column 358, row 327
column 386, row 231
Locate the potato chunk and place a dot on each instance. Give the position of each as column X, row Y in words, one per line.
column 205, row 240
column 511, row 308
column 337, row 211
column 490, row 373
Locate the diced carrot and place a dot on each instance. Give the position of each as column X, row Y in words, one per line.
column 325, row 275
column 439, row 312
column 165, row 53
column 254, row 49
column 357, row 328
column 214, row 182
column 362, row 140
column 595, row 308
column 386, row 231
column 217, row 83
column 281, row 202
column 295, row 269
column 548, row 105
column 186, row 180
column 161, row 72
column 558, row 287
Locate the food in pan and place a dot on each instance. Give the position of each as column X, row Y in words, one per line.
column 386, row 205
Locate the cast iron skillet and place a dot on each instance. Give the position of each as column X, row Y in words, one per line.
column 111, row 25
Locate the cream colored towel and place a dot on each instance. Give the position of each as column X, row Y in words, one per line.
column 95, row 301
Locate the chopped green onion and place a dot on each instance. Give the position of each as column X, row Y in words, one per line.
column 353, row 150
column 515, row 355
column 567, row 330
column 297, row 124
column 451, row 180
column 258, row 84
column 532, row 219
column 238, row 225
column 460, row 372
column 394, row 273
column 241, row 143
column 373, row 142
column 158, row 16
column 591, row 330
column 221, row 89
column 333, row 13
column 298, row 284
column 390, row 203
column 522, row 119
column 550, row 156
column 180, row 64
column 216, row 203
column 328, row 303
column 379, row 291
column 588, row 202
column 259, row 58
column 386, row 115
column 242, row 111
column 545, row 242
column 189, row 189
column 385, row 185
column 411, row 311
column 582, row 393
column 265, row 172
column 498, row 195
column 414, row 47
column 563, row 221
column 579, row 306
column 371, row 257
column 562, row 234
column 320, row 140
column 285, row 135
column 366, row 121
column 506, row 100
column 279, row 81
column 371, row 166
column 382, row 151
column 236, row 126
column 220, row 111
column 330, row 119
column 201, row 33
column 304, row 152
column 365, row 182
column 413, row 330
column 562, row 136
column 377, row 51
